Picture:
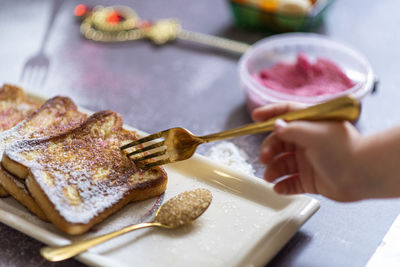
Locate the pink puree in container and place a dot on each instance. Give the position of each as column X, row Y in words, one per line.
column 304, row 78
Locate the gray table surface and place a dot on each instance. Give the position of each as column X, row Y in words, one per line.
column 182, row 84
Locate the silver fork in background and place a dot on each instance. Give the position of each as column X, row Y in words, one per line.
column 35, row 70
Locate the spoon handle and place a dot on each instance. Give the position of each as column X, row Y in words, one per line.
column 214, row 41
column 68, row 251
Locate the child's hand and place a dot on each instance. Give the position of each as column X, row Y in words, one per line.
column 313, row 157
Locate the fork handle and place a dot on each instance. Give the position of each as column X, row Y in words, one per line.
column 54, row 11
column 342, row 108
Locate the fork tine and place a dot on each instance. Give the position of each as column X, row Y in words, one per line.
column 27, row 76
column 32, row 80
column 159, row 144
column 42, row 75
column 38, row 75
column 142, row 140
column 153, row 164
column 153, row 155
column 21, row 78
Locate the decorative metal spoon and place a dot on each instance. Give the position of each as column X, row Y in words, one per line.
column 178, row 211
column 121, row 23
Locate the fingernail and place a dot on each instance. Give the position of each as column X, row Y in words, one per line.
column 279, row 123
column 264, row 150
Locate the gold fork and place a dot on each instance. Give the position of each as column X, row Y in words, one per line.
column 178, row 144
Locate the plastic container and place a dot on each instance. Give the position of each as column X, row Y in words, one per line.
column 285, row 48
column 248, row 15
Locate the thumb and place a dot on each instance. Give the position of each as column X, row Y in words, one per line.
column 302, row 133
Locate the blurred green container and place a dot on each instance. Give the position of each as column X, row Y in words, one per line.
column 250, row 16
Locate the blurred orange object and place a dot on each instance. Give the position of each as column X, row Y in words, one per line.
column 277, row 16
column 80, row 10
column 269, row 5
column 114, row 18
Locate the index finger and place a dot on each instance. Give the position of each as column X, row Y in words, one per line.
column 271, row 110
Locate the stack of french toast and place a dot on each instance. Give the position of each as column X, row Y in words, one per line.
column 65, row 167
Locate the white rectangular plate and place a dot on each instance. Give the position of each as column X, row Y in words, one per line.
column 246, row 223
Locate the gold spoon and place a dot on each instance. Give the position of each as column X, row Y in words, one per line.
column 178, row 211
column 96, row 27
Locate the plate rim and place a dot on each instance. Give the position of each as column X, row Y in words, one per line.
column 259, row 255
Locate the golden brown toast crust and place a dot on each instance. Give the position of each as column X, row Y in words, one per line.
column 14, row 107
column 3, row 192
column 54, row 116
column 17, row 188
column 81, row 176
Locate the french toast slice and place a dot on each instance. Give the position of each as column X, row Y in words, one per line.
column 81, row 176
column 18, row 190
column 14, row 107
column 53, row 117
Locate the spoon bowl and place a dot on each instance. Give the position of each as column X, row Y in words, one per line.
column 176, row 212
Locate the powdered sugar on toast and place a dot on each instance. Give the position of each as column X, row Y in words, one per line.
column 82, row 172
column 14, row 107
column 56, row 115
